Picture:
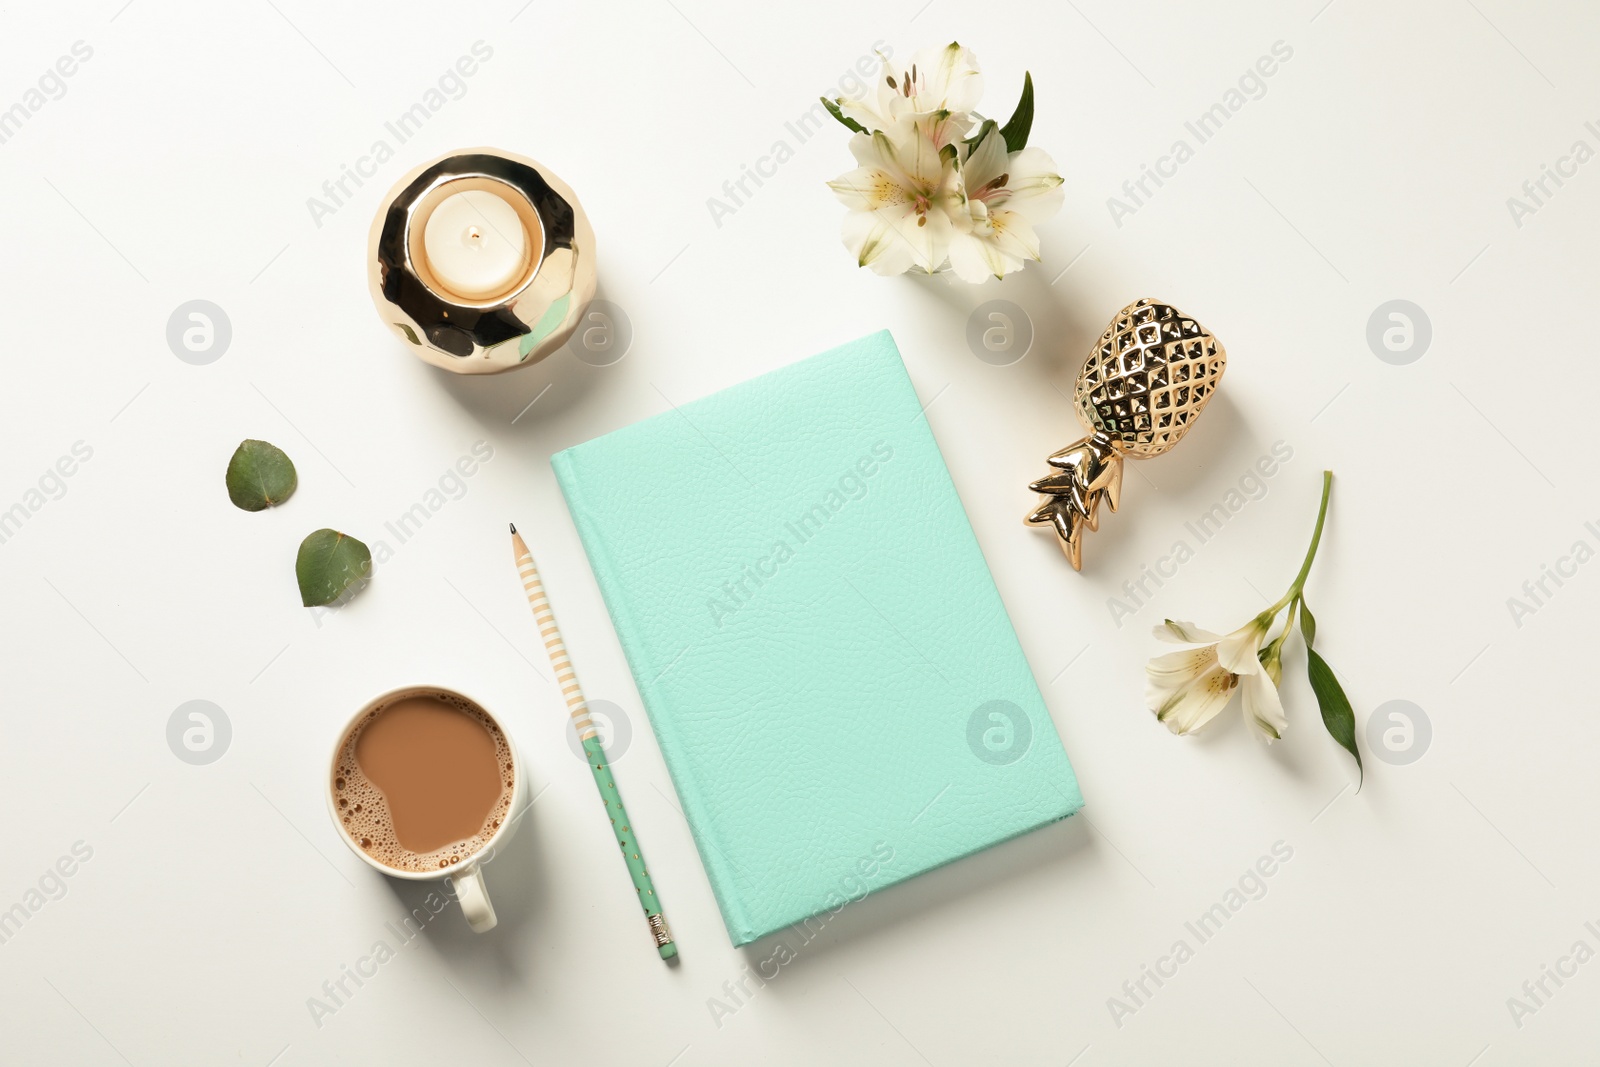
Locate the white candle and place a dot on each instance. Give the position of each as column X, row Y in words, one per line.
column 476, row 245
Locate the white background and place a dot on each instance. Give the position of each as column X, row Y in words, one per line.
column 1376, row 166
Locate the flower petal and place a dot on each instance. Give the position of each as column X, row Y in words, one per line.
column 1013, row 236
column 869, row 150
column 976, row 259
column 912, row 147
column 1183, row 633
column 870, row 237
column 1263, row 708
column 947, row 78
column 1176, row 669
column 943, row 127
column 867, row 189
column 1190, row 708
column 986, row 161
column 927, row 235
column 1033, row 187
column 864, row 110
column 1239, row 651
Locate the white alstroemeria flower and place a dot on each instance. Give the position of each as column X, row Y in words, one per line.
column 928, row 194
column 936, row 79
column 902, row 198
column 1007, row 192
column 1186, row 689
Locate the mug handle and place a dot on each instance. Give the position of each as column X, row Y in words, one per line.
column 474, row 898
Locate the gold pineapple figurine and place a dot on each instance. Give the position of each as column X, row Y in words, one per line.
column 1147, row 380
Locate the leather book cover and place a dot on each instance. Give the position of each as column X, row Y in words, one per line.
column 829, row 671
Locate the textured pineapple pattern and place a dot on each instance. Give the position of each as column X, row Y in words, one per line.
column 1150, row 375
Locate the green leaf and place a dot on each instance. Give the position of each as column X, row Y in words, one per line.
column 1016, row 130
column 1336, row 713
column 260, row 476
column 1308, row 624
column 850, row 124
column 328, row 564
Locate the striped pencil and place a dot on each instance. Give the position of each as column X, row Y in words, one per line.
column 603, row 780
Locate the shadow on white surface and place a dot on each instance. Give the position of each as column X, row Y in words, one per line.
column 517, row 883
column 515, row 398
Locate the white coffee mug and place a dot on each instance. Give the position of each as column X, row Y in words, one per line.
column 466, row 878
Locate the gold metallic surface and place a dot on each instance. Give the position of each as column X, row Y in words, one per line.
column 520, row 328
column 1145, row 383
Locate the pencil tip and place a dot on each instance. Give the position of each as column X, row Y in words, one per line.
column 513, row 527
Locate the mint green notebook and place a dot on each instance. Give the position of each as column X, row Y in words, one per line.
column 830, row 673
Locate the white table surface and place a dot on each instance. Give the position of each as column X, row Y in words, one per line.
column 1375, row 166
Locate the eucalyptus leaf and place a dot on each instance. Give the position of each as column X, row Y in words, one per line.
column 849, row 123
column 328, row 564
column 1335, row 706
column 1016, row 130
column 260, row 476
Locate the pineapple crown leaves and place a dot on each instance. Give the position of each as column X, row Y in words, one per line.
column 1087, row 472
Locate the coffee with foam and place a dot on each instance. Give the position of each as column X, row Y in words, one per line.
column 423, row 781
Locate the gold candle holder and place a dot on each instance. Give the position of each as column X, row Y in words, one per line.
column 1145, row 383
column 536, row 290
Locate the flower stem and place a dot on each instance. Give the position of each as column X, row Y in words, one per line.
column 1311, row 553
column 1276, row 644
